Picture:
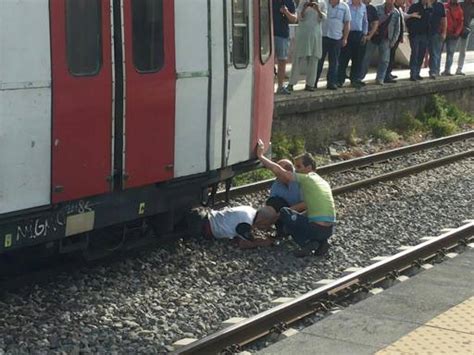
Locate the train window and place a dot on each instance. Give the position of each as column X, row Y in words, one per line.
column 265, row 31
column 148, row 49
column 83, row 36
column 240, row 33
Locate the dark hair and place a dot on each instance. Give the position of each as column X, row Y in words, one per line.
column 307, row 160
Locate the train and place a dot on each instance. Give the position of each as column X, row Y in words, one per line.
column 125, row 113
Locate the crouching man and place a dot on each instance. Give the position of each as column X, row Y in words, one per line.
column 311, row 231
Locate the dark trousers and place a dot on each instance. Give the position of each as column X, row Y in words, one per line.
column 391, row 63
column 418, row 45
column 351, row 52
column 302, row 229
column 331, row 49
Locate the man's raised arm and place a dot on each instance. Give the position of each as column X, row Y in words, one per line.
column 282, row 174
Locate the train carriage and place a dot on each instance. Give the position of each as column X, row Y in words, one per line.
column 118, row 110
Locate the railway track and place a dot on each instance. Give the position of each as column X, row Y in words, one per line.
column 191, row 258
column 232, row 339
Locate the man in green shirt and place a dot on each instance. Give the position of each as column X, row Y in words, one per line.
column 311, row 231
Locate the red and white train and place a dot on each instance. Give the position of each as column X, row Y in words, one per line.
column 118, row 110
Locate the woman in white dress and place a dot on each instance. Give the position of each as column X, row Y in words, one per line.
column 308, row 47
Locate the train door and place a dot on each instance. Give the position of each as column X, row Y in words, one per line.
column 81, row 98
column 239, row 90
column 192, row 86
column 149, row 91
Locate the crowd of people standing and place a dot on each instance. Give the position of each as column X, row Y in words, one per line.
column 352, row 31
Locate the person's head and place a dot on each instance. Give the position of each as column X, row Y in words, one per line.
column 334, row 2
column 400, row 3
column 305, row 163
column 266, row 216
column 366, row 2
column 356, row 2
column 453, row 2
column 389, row 3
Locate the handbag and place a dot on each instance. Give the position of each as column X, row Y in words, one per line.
column 465, row 32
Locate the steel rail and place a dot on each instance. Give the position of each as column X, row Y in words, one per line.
column 402, row 172
column 354, row 163
column 263, row 323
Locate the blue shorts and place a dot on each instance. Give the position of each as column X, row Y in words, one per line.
column 281, row 47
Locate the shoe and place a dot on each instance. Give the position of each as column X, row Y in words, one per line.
column 339, row 85
column 331, row 87
column 389, row 81
column 460, row 73
column 412, row 78
column 446, row 74
column 419, row 78
column 289, row 87
column 393, row 76
column 308, row 250
column 357, row 84
column 283, row 91
column 379, row 82
column 309, row 88
column 323, row 249
column 432, row 77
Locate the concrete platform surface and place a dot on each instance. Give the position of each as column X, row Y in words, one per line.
column 377, row 322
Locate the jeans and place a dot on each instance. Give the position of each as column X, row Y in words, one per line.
column 331, row 48
column 451, row 44
column 462, row 52
column 384, row 58
column 418, row 44
column 351, row 52
column 301, row 229
column 435, row 44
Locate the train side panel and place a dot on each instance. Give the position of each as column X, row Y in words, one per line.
column 82, row 99
column 192, row 70
column 25, row 105
column 263, row 68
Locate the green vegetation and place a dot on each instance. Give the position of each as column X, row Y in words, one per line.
column 440, row 118
column 386, row 135
column 283, row 146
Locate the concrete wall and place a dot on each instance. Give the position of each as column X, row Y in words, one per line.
column 325, row 116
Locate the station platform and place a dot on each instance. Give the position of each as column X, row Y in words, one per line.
column 402, row 74
column 430, row 313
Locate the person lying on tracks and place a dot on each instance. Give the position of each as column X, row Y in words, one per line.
column 312, row 231
column 238, row 223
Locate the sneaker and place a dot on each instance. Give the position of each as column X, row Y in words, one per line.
column 289, row 87
column 309, row 88
column 283, row 91
column 331, row 87
column 393, row 76
column 432, row 77
column 389, row 81
column 446, row 74
column 379, row 82
column 460, row 73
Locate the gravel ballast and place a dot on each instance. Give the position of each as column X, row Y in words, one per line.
column 143, row 304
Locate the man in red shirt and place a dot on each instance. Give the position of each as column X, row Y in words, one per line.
column 455, row 21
